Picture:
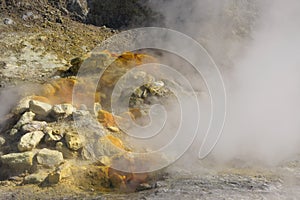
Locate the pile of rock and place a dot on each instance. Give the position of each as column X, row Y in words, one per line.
column 37, row 143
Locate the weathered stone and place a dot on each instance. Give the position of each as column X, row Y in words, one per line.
column 35, row 178
column 51, row 136
column 62, row 110
column 13, row 132
column 2, row 141
column 26, row 118
column 49, row 157
column 54, row 177
column 67, row 153
column 40, row 108
column 22, row 106
column 33, row 126
column 30, row 140
column 18, row 160
column 73, row 141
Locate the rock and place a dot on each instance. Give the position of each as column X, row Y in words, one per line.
column 40, row 108
column 62, row 110
column 107, row 120
column 118, row 14
column 143, row 186
column 30, row 140
column 79, row 7
column 22, row 106
column 13, row 132
column 28, row 15
column 34, row 126
column 35, row 178
column 61, row 172
column 51, row 136
column 26, row 118
column 67, row 153
column 8, row 21
column 73, row 141
column 156, row 88
column 113, row 128
column 49, row 157
column 18, row 160
column 54, row 177
column 117, row 180
column 2, row 141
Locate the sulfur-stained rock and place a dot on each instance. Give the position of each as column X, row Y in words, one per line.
column 35, row 178
column 30, row 140
column 33, row 126
column 49, row 157
column 73, row 141
column 40, row 108
column 108, row 120
column 18, row 160
column 26, row 118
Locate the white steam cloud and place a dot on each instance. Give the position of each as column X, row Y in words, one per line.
column 255, row 44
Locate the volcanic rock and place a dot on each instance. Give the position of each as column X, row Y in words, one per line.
column 35, row 178
column 73, row 141
column 22, row 106
column 2, row 141
column 67, row 153
column 52, row 136
column 26, row 118
column 62, row 110
column 49, row 157
column 18, row 160
column 39, row 108
column 30, row 140
column 34, row 126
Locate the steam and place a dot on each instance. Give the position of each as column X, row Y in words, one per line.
column 255, row 44
column 263, row 115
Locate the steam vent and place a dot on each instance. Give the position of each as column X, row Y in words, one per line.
column 41, row 142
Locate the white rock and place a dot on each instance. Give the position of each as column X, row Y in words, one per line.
column 40, row 108
column 13, row 132
column 49, row 157
column 63, row 110
column 30, row 140
column 51, row 136
column 22, row 106
column 34, row 126
column 18, row 160
column 2, row 141
column 25, row 119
